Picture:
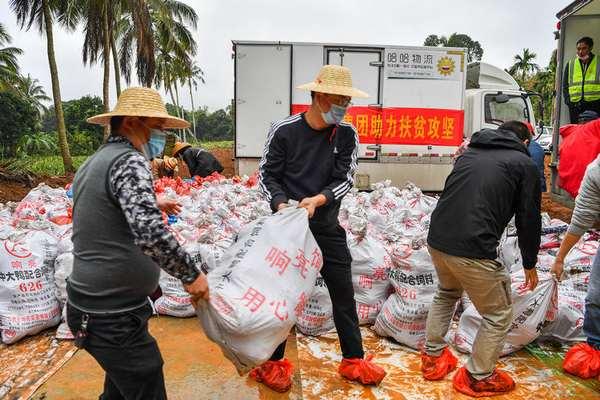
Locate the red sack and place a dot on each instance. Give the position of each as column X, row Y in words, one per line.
column 582, row 360
column 275, row 374
column 436, row 368
column 580, row 146
column 498, row 383
column 362, row 370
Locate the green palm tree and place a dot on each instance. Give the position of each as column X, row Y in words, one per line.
column 30, row 89
column 9, row 66
column 42, row 13
column 167, row 23
column 524, row 64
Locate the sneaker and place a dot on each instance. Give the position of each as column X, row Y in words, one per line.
column 582, row 360
column 436, row 368
column 499, row 382
column 276, row 375
column 362, row 370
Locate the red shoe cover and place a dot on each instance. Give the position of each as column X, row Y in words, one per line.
column 436, row 368
column 362, row 370
column 582, row 360
column 277, row 375
column 498, row 383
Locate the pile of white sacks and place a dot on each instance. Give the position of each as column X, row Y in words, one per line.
column 393, row 277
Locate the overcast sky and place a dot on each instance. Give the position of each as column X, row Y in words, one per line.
column 503, row 27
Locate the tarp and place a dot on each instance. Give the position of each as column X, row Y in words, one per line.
column 580, row 146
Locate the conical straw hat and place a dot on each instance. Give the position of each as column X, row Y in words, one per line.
column 334, row 79
column 140, row 102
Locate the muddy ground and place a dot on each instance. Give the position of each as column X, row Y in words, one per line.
column 15, row 188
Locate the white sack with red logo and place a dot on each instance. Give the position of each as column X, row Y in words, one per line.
column 260, row 286
column 568, row 324
column 28, row 302
column 404, row 314
column 531, row 311
column 370, row 269
column 317, row 316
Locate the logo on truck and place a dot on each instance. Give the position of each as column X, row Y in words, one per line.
column 446, row 66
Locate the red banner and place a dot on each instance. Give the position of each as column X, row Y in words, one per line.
column 416, row 126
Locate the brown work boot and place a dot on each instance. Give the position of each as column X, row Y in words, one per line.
column 436, row 368
column 276, row 375
column 362, row 370
column 499, row 382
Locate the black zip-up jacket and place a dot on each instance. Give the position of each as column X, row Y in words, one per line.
column 300, row 162
column 494, row 179
column 201, row 162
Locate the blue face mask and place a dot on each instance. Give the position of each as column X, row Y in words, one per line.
column 155, row 146
column 335, row 115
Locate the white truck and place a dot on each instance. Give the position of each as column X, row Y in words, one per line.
column 423, row 102
column 578, row 19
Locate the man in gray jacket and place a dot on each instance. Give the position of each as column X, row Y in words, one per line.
column 585, row 215
column 120, row 244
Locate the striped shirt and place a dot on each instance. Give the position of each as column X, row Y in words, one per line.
column 300, row 162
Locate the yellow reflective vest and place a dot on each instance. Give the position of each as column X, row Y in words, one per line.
column 580, row 86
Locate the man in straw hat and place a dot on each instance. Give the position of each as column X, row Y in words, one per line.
column 311, row 158
column 120, row 243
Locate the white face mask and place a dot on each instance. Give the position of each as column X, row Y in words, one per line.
column 335, row 115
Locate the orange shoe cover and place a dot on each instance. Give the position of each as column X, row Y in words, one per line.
column 499, row 382
column 436, row 368
column 361, row 370
column 277, row 375
column 582, row 360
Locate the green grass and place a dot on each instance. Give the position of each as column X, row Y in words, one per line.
column 53, row 165
column 223, row 144
column 41, row 165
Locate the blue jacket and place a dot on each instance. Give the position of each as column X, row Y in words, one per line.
column 537, row 154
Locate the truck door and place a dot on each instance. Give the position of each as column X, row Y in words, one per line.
column 262, row 93
column 364, row 64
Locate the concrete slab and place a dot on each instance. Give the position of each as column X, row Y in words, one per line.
column 195, row 369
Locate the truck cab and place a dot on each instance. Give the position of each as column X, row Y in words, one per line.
column 492, row 98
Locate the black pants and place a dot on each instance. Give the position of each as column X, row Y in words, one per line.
column 576, row 109
column 337, row 275
column 123, row 347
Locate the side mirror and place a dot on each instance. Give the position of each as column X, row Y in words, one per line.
column 501, row 98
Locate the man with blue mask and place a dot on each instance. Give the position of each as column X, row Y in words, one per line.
column 120, row 244
column 311, row 158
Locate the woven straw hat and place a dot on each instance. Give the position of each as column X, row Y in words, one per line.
column 179, row 146
column 140, row 102
column 334, row 79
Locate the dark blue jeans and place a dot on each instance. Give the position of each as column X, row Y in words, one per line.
column 591, row 318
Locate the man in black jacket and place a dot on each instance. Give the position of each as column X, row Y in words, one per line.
column 311, row 158
column 491, row 181
column 199, row 161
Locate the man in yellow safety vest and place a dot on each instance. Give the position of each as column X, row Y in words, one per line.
column 581, row 81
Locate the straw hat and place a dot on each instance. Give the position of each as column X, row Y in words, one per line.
column 140, row 102
column 334, row 79
column 179, row 146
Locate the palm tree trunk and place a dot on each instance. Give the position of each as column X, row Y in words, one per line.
column 106, row 53
column 116, row 63
column 170, row 90
column 180, row 107
column 193, row 111
column 60, row 117
column 182, row 114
